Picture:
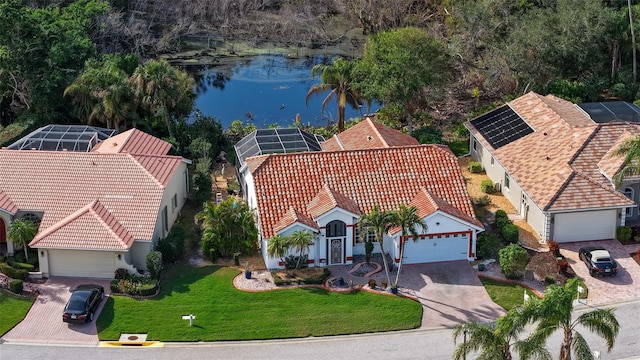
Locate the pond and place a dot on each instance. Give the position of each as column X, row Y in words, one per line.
column 264, row 90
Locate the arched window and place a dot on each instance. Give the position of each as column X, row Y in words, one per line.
column 3, row 231
column 628, row 192
column 336, row 228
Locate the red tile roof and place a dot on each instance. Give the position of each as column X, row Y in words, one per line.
column 133, row 141
column 561, row 154
column 6, row 203
column 368, row 135
column 59, row 183
column 104, row 230
column 328, row 199
column 291, row 217
column 386, row 177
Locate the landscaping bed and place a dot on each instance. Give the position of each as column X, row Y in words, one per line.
column 314, row 275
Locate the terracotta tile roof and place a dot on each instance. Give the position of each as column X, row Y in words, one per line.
column 6, row 203
column 327, row 199
column 545, row 162
column 60, row 183
column 161, row 168
column 133, row 141
column 368, row 135
column 93, row 227
column 610, row 164
column 386, row 177
column 291, row 217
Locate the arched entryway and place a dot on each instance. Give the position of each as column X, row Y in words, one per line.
column 3, row 231
column 336, row 235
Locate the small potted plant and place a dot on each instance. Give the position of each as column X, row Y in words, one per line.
column 394, row 289
column 247, row 271
column 341, row 282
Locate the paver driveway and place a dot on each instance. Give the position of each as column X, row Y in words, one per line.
column 43, row 323
column 602, row 290
column 450, row 293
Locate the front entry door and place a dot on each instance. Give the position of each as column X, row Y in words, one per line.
column 336, row 251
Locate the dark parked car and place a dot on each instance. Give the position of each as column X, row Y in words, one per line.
column 598, row 260
column 83, row 303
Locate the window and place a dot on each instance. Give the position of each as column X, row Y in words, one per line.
column 492, row 161
column 174, row 202
column 186, row 183
column 369, row 236
column 628, row 192
column 336, row 228
column 165, row 219
column 475, row 145
column 507, row 181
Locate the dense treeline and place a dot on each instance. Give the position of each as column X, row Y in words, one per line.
column 582, row 50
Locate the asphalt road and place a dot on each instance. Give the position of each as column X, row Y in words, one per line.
column 414, row 344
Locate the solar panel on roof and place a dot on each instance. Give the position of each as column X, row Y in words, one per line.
column 501, row 126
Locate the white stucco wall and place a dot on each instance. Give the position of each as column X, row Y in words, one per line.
column 176, row 186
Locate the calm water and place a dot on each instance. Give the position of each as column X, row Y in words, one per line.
column 264, row 90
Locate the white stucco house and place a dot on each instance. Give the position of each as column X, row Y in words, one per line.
column 553, row 160
column 325, row 191
column 98, row 210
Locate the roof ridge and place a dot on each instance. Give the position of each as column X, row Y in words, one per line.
column 106, row 225
column 339, row 142
column 65, row 220
column 330, row 192
column 376, row 131
column 132, row 157
column 585, row 143
column 560, row 189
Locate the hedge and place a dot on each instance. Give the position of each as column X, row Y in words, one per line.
column 475, row 167
column 14, row 273
column 487, row 186
column 15, row 286
column 511, row 233
column 21, row 265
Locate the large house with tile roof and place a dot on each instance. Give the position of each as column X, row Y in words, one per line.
column 325, row 192
column 554, row 163
column 99, row 210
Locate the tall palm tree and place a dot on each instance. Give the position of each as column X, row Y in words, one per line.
column 409, row 220
column 301, row 241
column 554, row 312
column 336, row 79
column 278, row 247
column 496, row 342
column 630, row 149
column 379, row 222
column 21, row 232
column 229, row 227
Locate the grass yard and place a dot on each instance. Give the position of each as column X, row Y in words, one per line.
column 505, row 294
column 14, row 309
column 226, row 313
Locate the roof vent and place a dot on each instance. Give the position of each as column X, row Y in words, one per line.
column 545, row 133
column 548, row 158
column 369, row 138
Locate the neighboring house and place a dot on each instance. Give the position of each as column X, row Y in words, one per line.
column 368, row 135
column 553, row 161
column 325, row 192
column 98, row 210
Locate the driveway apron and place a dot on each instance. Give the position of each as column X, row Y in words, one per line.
column 43, row 323
column 450, row 293
column 602, row 290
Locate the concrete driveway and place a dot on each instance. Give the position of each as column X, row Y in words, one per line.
column 604, row 290
column 450, row 293
column 43, row 323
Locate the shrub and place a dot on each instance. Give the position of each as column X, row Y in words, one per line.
column 488, row 246
column 501, row 214
column 487, row 186
column 623, row 234
column 172, row 247
column 1, row 258
column 154, row 263
column 550, row 279
column 291, row 261
column 368, row 249
column 475, row 167
column 562, row 265
column 510, row 233
column 14, row 273
column 113, row 285
column 21, row 265
column 383, row 284
column 502, row 222
column 513, row 261
column 15, row 286
column 120, row 274
column 483, row 201
column 134, row 285
column 372, row 283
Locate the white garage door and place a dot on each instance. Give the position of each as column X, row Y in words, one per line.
column 586, row 225
column 76, row 263
column 437, row 249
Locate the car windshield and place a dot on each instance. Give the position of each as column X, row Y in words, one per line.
column 76, row 305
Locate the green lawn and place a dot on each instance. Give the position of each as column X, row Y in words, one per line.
column 505, row 294
column 13, row 309
column 226, row 313
column 460, row 147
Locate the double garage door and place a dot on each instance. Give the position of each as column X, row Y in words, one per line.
column 437, row 249
column 77, row 263
column 586, row 225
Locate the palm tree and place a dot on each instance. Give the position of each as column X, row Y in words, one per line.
column 379, row 222
column 301, row 241
column 554, row 312
column 336, row 79
column 21, row 232
column 496, row 342
column 630, row 149
column 278, row 247
column 228, row 227
column 409, row 220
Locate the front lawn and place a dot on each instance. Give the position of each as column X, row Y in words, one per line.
column 505, row 294
column 14, row 309
column 226, row 313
